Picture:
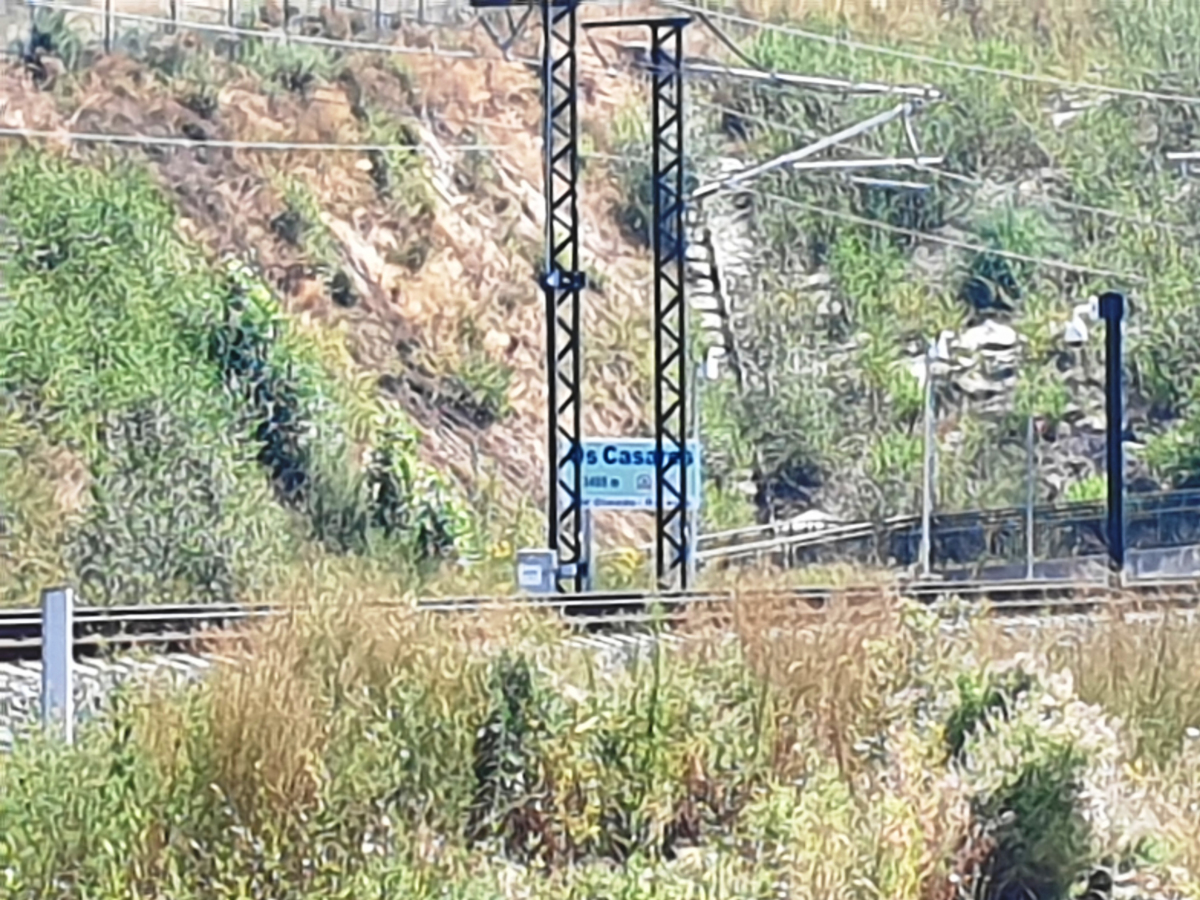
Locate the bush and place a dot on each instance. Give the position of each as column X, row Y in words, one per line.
column 351, row 750
column 169, row 520
column 186, row 391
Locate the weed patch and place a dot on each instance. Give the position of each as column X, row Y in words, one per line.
column 356, row 748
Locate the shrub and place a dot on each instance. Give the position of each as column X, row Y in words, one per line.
column 1047, row 781
column 171, row 380
column 351, row 749
column 173, row 517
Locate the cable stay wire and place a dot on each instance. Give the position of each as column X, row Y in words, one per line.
column 1046, row 262
column 926, row 59
column 1116, row 215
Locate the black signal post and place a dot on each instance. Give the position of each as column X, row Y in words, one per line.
column 1112, row 311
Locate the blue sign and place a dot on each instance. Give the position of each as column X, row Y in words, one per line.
column 621, row 473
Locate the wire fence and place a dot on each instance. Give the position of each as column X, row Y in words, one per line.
column 127, row 24
column 1162, row 532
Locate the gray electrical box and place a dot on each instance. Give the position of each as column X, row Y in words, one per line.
column 536, row 571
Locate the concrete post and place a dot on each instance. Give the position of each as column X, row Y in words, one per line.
column 58, row 651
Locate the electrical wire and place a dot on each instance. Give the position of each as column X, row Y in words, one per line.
column 1045, row 262
column 152, row 140
column 202, row 143
column 955, row 176
column 958, row 65
column 389, row 48
column 704, row 70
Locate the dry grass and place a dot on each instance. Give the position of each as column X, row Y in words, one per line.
column 347, row 725
column 768, row 577
column 922, row 20
column 480, row 244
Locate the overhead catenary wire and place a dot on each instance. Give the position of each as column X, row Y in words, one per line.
column 1105, row 212
column 352, row 148
column 215, row 143
column 707, row 68
column 1064, row 265
column 926, row 59
column 342, row 147
column 780, row 81
column 783, row 82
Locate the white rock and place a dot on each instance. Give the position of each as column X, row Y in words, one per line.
column 978, row 387
column 991, row 335
column 811, row 520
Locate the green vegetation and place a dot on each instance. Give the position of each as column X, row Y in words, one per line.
column 219, row 441
column 358, row 752
column 826, row 366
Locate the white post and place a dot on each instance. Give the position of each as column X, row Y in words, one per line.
column 1030, row 493
column 58, row 644
column 927, row 474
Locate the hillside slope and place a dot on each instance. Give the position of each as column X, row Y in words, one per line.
column 425, row 260
column 1049, row 192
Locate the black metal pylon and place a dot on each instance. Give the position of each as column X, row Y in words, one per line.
column 671, row 375
column 563, row 283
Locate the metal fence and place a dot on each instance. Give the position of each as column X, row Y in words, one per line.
column 975, row 539
column 127, row 24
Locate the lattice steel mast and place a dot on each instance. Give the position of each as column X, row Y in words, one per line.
column 563, row 284
column 671, row 370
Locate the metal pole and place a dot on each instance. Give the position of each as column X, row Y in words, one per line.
column 803, row 153
column 671, row 369
column 927, row 473
column 58, row 642
column 1030, row 494
column 563, row 283
column 589, row 550
column 694, row 511
column 1112, row 311
column 231, row 19
column 674, row 522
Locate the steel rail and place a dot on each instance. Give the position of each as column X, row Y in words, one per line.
column 100, row 628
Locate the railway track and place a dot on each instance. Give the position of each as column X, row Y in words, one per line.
column 99, row 630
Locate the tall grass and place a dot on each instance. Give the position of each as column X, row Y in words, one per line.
column 355, row 750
